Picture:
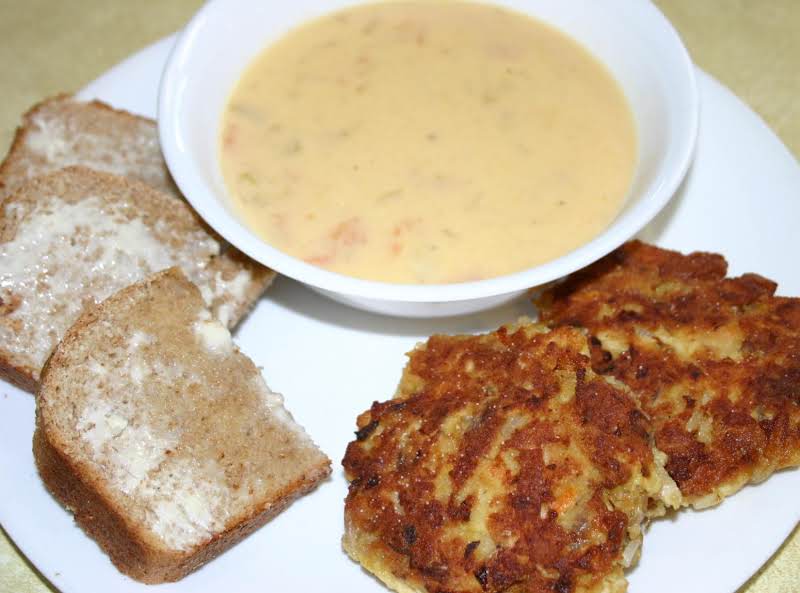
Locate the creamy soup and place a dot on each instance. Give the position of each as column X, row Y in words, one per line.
column 425, row 142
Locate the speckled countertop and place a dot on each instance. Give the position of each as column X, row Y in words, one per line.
column 50, row 46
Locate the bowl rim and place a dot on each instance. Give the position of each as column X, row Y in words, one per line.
column 624, row 227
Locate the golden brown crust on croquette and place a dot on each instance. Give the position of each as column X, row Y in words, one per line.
column 503, row 464
column 715, row 361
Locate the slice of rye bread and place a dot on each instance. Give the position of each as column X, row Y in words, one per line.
column 161, row 437
column 61, row 132
column 72, row 238
column 503, row 463
column 715, row 361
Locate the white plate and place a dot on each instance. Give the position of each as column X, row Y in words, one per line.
column 742, row 198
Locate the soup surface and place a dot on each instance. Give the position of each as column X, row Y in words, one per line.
column 425, row 142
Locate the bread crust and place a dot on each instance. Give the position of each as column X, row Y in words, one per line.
column 20, row 376
column 124, row 544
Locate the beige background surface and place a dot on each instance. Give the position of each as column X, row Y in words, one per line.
column 51, row 46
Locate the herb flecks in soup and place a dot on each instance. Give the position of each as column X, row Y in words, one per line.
column 422, row 142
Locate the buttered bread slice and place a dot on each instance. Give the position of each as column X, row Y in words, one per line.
column 161, row 437
column 72, row 238
column 61, row 132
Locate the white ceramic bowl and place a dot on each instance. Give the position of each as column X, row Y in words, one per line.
column 631, row 37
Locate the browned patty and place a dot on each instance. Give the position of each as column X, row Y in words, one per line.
column 504, row 463
column 715, row 361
